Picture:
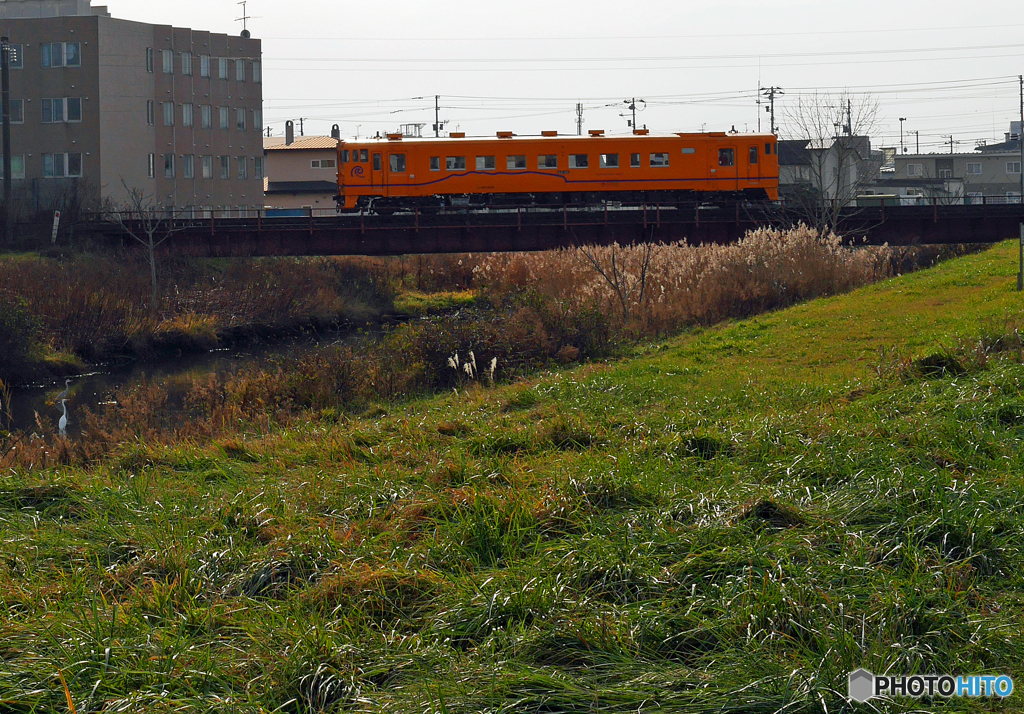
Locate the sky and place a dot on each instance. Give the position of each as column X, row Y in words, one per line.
column 948, row 69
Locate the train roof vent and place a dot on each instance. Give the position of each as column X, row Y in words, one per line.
column 549, row 133
column 395, row 137
column 597, row 132
column 505, row 135
column 457, row 135
column 641, row 132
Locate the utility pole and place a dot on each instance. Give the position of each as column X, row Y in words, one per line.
column 631, row 105
column 302, row 127
column 437, row 115
column 5, row 110
column 903, row 149
column 917, row 141
column 579, row 119
column 268, row 131
column 771, row 93
column 951, row 143
column 1020, row 138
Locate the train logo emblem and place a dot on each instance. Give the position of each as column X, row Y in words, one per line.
column 357, row 172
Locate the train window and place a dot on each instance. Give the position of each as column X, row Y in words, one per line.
column 547, row 161
column 753, row 154
column 689, row 150
column 455, row 163
column 634, row 161
column 435, row 163
column 726, row 157
column 398, row 163
column 376, row 162
column 364, row 155
column 659, row 160
column 516, row 162
column 609, row 161
column 485, row 163
column 767, row 149
column 579, row 161
column 344, row 156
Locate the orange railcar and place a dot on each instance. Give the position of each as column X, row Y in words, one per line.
column 397, row 171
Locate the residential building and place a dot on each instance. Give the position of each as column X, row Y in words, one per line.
column 837, row 170
column 302, row 174
column 992, row 172
column 104, row 107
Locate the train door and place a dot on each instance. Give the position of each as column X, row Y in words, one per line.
column 726, row 172
column 377, row 171
column 753, row 165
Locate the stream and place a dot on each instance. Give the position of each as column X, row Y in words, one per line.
column 94, row 389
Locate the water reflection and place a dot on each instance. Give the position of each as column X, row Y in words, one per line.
column 36, row 407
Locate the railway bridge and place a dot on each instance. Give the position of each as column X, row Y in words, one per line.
column 521, row 228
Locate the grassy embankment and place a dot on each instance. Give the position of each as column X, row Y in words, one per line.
column 730, row 521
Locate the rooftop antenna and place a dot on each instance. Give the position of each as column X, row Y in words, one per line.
column 244, row 19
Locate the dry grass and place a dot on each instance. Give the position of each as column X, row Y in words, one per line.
column 98, row 305
column 656, row 289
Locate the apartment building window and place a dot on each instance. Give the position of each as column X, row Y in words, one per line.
column 915, row 170
column 17, row 112
column 168, row 113
column 225, row 167
column 206, row 116
column 243, row 167
column 53, row 110
column 223, row 117
column 240, row 70
column 257, row 166
column 149, row 60
column 1013, row 167
column 151, row 166
column 168, row 61
column 17, row 166
column 204, row 65
column 257, row 119
column 188, row 166
column 150, row 112
column 186, row 114
column 240, row 119
column 15, row 56
column 169, row 166
column 222, row 67
column 257, row 72
column 61, row 165
column 974, row 168
column 186, row 64
column 207, row 162
column 61, row 54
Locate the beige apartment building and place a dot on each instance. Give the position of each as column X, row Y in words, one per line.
column 302, row 174
column 101, row 106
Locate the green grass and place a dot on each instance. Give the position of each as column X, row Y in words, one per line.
column 415, row 303
column 729, row 521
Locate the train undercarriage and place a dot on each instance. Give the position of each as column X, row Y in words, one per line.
column 386, row 205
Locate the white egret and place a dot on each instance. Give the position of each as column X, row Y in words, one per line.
column 63, row 423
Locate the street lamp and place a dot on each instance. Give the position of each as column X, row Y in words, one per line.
column 903, row 149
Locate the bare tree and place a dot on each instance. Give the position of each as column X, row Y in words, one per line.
column 837, row 128
column 147, row 223
column 624, row 268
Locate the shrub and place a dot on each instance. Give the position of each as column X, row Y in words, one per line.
column 19, row 335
